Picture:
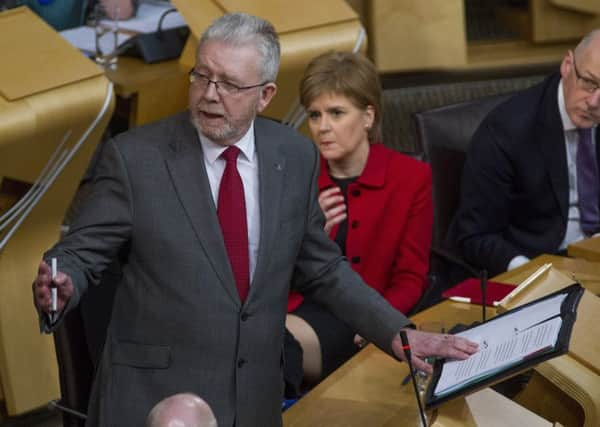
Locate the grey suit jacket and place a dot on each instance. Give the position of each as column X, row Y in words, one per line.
column 178, row 324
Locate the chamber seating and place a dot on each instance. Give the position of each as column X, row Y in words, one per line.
column 54, row 106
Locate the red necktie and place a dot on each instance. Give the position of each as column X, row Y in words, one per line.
column 231, row 211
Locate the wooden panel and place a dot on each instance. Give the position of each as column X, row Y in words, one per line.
column 35, row 49
column 28, row 369
column 587, row 249
column 366, row 390
column 48, row 88
column 198, row 14
column 157, row 90
column 416, row 34
column 288, row 16
column 576, row 374
column 551, row 23
column 544, row 397
column 585, row 272
column 584, row 6
column 511, row 53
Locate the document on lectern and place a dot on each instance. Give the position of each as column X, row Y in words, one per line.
column 516, row 340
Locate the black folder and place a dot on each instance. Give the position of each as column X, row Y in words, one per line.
column 161, row 45
column 568, row 314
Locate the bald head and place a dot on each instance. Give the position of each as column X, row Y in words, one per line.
column 181, row 410
column 592, row 39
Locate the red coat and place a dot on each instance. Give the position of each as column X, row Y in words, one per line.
column 390, row 220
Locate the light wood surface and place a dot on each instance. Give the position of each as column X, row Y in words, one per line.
column 56, row 89
column 574, row 398
column 414, row 35
column 154, row 91
column 588, row 249
column 552, row 23
column 24, row 75
column 367, row 391
column 487, row 408
column 580, row 270
column 585, row 6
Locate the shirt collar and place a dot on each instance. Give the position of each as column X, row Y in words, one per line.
column 212, row 150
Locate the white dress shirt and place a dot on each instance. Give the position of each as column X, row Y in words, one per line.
column 574, row 231
column 247, row 164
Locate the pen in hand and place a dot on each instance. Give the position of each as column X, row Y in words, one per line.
column 53, row 290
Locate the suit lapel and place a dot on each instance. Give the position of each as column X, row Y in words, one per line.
column 185, row 163
column 552, row 145
column 271, row 170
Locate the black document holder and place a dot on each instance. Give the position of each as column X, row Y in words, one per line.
column 568, row 313
column 159, row 46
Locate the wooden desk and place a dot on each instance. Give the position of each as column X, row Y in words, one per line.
column 581, row 270
column 587, row 249
column 562, row 389
column 367, row 390
column 149, row 92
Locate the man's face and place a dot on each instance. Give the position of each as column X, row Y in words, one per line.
column 223, row 115
column 581, row 79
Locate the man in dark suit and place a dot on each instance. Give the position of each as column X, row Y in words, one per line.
column 207, row 272
column 522, row 190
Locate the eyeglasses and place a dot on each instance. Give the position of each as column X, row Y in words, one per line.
column 223, row 87
column 584, row 83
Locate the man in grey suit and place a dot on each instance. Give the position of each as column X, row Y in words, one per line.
column 188, row 314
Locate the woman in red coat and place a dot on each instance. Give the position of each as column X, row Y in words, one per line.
column 377, row 204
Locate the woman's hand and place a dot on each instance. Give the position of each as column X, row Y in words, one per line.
column 333, row 207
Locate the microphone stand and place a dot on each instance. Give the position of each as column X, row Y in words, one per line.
column 406, row 348
column 483, row 292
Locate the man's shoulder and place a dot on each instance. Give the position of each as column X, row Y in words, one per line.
column 526, row 104
column 151, row 135
column 167, row 124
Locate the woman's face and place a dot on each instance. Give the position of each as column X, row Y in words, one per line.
column 338, row 127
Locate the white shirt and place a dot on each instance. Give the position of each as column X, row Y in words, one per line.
column 247, row 164
column 573, row 232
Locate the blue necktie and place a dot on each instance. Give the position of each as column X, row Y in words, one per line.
column 588, row 185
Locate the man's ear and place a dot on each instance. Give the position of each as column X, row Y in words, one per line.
column 566, row 65
column 267, row 92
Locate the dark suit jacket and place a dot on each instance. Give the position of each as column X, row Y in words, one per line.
column 178, row 324
column 515, row 188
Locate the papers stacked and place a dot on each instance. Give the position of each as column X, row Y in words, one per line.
column 504, row 342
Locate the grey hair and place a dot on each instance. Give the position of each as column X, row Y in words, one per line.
column 585, row 41
column 241, row 29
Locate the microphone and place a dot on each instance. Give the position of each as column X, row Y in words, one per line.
column 483, row 291
column 406, row 348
